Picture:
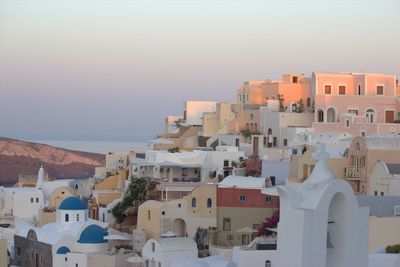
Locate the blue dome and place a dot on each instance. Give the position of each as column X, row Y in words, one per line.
column 63, row 250
column 72, row 203
column 93, row 234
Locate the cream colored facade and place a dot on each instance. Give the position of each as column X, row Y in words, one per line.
column 385, row 181
column 185, row 139
column 3, row 252
column 383, row 231
column 46, row 217
column 216, row 122
column 302, row 165
column 179, row 216
column 239, row 218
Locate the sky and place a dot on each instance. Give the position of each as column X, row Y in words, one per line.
column 113, row 70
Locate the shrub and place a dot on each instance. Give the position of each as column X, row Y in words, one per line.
column 395, row 249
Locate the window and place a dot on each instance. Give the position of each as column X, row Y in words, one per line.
column 320, row 116
column 308, row 102
column 193, row 202
column 184, row 172
column 251, row 117
column 347, row 123
column 179, row 205
column 67, row 217
column 268, row 199
column 255, row 126
column 66, row 259
column 209, row 202
column 375, row 193
column 245, row 239
column 37, row 200
column 77, row 217
column 370, row 115
column 359, row 89
column 76, row 265
column 328, row 89
column 382, row 194
column 226, row 163
column 284, row 142
column 148, row 215
column 294, row 151
column 353, row 111
column 18, row 251
column 153, row 246
column 362, row 134
column 268, row 263
column 342, row 90
column 159, row 264
column 31, row 199
column 242, row 198
column 379, row 90
column 295, row 79
column 226, row 224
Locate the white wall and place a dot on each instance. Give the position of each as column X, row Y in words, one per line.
column 383, row 182
column 26, row 203
column 253, row 258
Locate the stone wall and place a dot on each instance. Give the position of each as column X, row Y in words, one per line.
column 31, row 253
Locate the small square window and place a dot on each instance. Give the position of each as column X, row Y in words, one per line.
column 328, row 89
column 179, row 205
column 163, row 213
column 268, row 199
column 382, row 194
column 242, row 198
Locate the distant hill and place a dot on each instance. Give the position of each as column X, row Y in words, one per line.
column 21, row 157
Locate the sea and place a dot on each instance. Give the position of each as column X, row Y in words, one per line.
column 101, row 147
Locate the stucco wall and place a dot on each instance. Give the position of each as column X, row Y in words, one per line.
column 383, row 231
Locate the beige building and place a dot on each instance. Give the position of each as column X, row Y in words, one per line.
column 181, row 216
column 301, row 165
column 3, row 252
column 363, row 154
column 385, row 179
column 216, row 122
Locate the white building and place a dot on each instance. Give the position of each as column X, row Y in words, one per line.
column 186, row 166
column 385, row 179
column 22, row 202
column 163, row 251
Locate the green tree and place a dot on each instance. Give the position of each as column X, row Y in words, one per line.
column 138, row 191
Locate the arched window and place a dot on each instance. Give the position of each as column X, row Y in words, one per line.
column 193, row 202
column 67, row 217
column 320, row 115
column 268, row 263
column 209, row 202
column 331, row 115
column 370, row 115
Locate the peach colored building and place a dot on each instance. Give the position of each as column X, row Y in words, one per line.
column 292, row 88
column 361, row 104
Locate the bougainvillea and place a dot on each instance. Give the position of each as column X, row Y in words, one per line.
column 269, row 222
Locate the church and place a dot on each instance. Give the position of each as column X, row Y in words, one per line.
column 70, row 238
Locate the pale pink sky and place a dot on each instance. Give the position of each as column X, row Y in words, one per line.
column 114, row 69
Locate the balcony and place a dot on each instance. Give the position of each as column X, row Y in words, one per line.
column 354, row 173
